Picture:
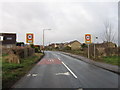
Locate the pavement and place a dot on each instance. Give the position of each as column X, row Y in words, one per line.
column 57, row 70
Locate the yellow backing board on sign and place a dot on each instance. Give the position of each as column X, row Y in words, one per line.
column 30, row 38
column 88, row 38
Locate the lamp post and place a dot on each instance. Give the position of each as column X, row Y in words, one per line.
column 44, row 37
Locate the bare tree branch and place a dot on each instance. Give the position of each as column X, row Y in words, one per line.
column 108, row 34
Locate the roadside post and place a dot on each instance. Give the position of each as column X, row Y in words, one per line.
column 95, row 38
column 88, row 42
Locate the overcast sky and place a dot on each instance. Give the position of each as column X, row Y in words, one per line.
column 68, row 20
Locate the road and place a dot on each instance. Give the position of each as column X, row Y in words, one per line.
column 57, row 70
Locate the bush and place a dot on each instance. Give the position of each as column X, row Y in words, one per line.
column 37, row 50
column 67, row 48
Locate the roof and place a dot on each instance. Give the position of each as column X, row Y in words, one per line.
column 7, row 33
column 74, row 41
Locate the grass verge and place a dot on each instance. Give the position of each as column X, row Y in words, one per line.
column 12, row 72
column 114, row 60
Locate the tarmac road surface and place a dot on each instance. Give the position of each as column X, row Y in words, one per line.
column 57, row 70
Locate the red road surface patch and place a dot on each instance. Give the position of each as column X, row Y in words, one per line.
column 49, row 61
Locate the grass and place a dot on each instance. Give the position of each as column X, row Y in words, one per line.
column 115, row 60
column 12, row 72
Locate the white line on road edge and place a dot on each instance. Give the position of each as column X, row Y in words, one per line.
column 69, row 70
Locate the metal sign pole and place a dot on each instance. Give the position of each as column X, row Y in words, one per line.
column 88, row 51
column 94, row 46
column 94, row 50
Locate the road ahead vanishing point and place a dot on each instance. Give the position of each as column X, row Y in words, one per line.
column 57, row 70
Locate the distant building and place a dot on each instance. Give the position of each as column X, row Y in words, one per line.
column 51, row 46
column 8, row 40
column 75, row 45
column 41, row 47
column 106, row 45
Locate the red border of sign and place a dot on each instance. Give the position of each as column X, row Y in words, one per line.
column 31, row 40
column 86, row 40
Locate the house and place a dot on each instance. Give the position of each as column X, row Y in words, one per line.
column 8, row 40
column 61, row 46
column 106, row 48
column 51, row 46
column 75, row 45
column 67, row 44
column 41, row 47
column 106, row 45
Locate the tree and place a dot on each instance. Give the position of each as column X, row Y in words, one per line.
column 108, row 33
column 84, row 45
column 32, row 45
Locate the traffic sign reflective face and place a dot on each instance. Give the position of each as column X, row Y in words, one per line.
column 87, row 38
column 29, row 38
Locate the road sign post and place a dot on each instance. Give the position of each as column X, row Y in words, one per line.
column 30, row 38
column 88, row 51
column 95, row 38
column 88, row 41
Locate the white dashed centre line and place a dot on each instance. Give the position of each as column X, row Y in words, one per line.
column 69, row 70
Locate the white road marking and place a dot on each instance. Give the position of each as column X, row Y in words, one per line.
column 80, row 89
column 69, row 70
column 66, row 73
column 34, row 75
column 59, row 58
column 28, row 75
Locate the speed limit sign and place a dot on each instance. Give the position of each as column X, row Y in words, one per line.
column 87, row 38
column 29, row 38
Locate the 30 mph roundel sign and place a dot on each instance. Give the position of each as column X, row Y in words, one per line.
column 87, row 38
column 29, row 38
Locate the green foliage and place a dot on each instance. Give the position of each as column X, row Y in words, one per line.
column 10, row 66
column 84, row 45
column 4, row 55
column 32, row 45
column 11, row 72
column 67, row 48
column 37, row 50
column 115, row 60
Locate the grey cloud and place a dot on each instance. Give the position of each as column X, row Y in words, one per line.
column 68, row 21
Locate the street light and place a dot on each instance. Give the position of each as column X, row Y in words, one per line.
column 44, row 37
